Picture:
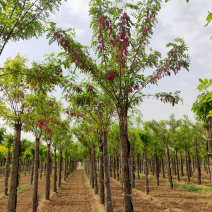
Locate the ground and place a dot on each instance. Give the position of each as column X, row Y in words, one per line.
column 76, row 194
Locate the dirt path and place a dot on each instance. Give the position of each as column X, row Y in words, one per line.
column 73, row 196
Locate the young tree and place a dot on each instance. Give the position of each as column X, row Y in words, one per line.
column 8, row 142
column 117, row 47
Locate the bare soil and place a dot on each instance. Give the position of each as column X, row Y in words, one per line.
column 73, row 196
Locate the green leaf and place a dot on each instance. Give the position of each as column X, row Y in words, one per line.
column 187, row 1
column 209, row 18
column 206, row 80
column 166, row 0
column 201, row 81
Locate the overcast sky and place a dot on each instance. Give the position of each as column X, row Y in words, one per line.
column 176, row 19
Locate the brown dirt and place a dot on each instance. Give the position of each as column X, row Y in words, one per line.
column 161, row 198
column 72, row 196
column 24, row 200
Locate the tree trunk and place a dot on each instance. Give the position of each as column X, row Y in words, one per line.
column 41, row 168
column 55, row 170
column 168, row 167
column 125, row 163
column 36, row 166
column 187, row 165
column 162, row 164
column 181, row 165
column 132, row 166
column 6, row 173
column 108, row 200
column 146, row 171
column 65, row 163
column 156, row 169
column 117, row 167
column 12, row 199
column 138, row 167
column 47, row 191
column 110, row 166
column 101, row 173
column 95, row 171
column 198, row 166
column 178, row 174
column 114, row 167
column 60, row 169
column 32, row 170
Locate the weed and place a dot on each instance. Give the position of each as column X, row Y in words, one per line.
column 20, row 190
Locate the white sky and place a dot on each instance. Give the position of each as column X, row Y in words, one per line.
column 176, row 19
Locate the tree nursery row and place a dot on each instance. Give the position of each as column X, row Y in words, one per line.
column 101, row 125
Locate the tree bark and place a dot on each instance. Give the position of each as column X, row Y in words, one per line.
column 209, row 147
column 198, row 166
column 60, row 168
column 6, row 173
column 168, row 167
column 95, row 171
column 181, row 165
column 162, row 164
column 65, row 164
column 12, row 199
column 178, row 174
column 146, row 171
column 125, row 163
column 132, row 166
column 114, row 167
column 117, row 167
column 187, row 165
column 108, row 200
column 36, row 166
column 55, row 170
column 47, row 191
column 101, row 173
column 156, row 169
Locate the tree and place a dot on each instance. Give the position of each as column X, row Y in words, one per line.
column 23, row 19
column 122, row 83
column 8, row 142
column 202, row 109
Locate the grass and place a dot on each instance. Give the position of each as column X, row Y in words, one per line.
column 19, row 190
column 195, row 188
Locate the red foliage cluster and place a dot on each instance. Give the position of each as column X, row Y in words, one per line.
column 111, row 76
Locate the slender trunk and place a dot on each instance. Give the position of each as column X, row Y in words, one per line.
column 156, row 169
column 178, row 174
column 114, row 167
column 91, row 170
column 6, row 173
column 138, row 167
column 162, row 164
column 108, row 200
column 209, row 147
column 32, row 170
column 41, row 168
column 65, row 164
column 47, row 191
column 110, row 166
column 168, row 167
column 187, row 165
column 60, row 169
column 146, row 171
column 36, row 166
column 101, row 173
column 55, row 170
column 132, row 166
column 117, row 166
column 198, row 166
column 126, row 169
column 95, row 171
column 181, row 164
column 12, row 199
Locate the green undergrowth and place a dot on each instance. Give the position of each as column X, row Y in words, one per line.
column 194, row 188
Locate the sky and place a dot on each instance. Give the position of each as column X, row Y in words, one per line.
column 175, row 19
